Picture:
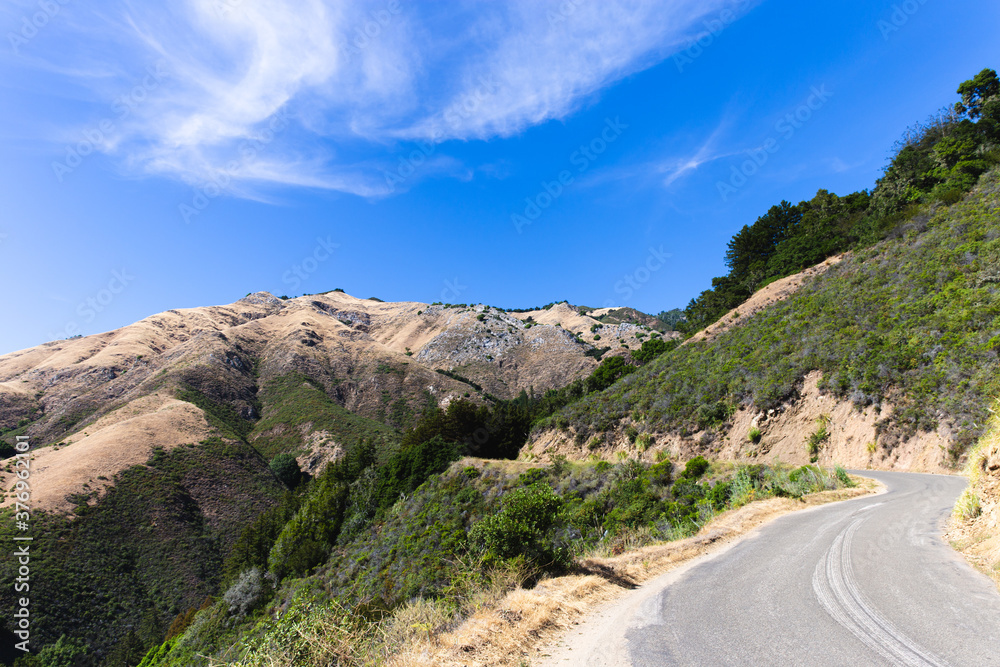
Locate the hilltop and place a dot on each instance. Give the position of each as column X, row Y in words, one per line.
column 107, row 401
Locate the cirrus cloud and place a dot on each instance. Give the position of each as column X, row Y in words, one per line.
column 357, row 78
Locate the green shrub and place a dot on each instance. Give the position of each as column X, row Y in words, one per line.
column 64, row 653
column 286, row 468
column 246, row 593
column 968, row 506
column 695, row 468
column 712, row 414
column 651, row 349
column 607, row 373
column 524, row 526
column 818, row 437
column 410, row 467
column 306, row 540
column 754, row 435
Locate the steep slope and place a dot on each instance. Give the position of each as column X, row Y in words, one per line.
column 975, row 529
column 151, row 443
column 886, row 358
column 108, row 400
column 779, row 290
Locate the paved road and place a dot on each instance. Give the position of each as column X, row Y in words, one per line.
column 863, row 582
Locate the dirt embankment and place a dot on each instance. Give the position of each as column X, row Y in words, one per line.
column 515, row 630
column 975, row 527
column 779, row 290
column 852, row 438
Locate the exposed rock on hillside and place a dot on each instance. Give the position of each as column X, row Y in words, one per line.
column 109, row 399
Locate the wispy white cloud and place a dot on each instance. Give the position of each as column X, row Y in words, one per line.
column 348, row 76
column 676, row 168
column 664, row 171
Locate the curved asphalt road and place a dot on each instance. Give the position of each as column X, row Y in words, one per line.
column 862, row 582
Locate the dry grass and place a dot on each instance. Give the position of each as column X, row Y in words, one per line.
column 512, row 629
column 975, row 527
column 123, row 438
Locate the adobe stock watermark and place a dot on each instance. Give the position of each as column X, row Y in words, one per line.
column 786, row 127
column 21, row 624
column 224, row 7
column 32, row 25
column 89, row 308
column 408, row 164
column 452, row 290
column 900, row 16
column 563, row 12
column 363, row 35
column 219, row 181
column 714, row 27
column 308, row 265
column 636, row 279
column 123, row 106
column 582, row 158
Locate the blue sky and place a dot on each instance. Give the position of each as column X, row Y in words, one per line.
column 170, row 155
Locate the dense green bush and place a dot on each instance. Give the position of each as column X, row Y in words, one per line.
column 651, row 349
column 696, row 467
column 608, row 372
column 524, row 526
column 286, row 469
column 411, row 466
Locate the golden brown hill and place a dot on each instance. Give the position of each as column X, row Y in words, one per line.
column 109, row 399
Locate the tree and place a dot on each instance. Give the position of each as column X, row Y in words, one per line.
column 64, row 653
column 651, row 349
column 609, row 371
column 976, row 92
column 670, row 317
column 286, row 469
column 750, row 248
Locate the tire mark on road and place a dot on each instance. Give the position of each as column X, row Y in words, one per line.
column 837, row 590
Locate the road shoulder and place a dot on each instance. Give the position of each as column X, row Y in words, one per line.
column 552, row 623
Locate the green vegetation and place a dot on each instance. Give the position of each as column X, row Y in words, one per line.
column 466, row 530
column 910, row 319
column 286, row 469
column 203, row 552
column 220, row 415
column 460, row 378
column 115, row 576
column 818, row 437
column 295, row 399
column 936, row 161
column 523, row 528
column 653, row 348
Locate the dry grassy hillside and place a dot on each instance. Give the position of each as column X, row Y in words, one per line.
column 106, row 401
